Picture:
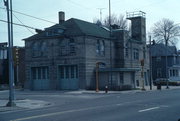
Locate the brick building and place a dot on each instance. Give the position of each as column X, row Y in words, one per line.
column 65, row 56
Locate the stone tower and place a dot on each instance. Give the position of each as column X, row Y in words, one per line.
column 138, row 25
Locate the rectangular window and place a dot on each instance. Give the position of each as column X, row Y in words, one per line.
column 44, row 75
column 121, row 78
column 158, row 59
column 136, row 54
column 159, row 72
column 144, row 52
column 178, row 73
column 61, row 72
column 174, row 72
column 5, row 54
column 76, row 71
column 72, row 72
column 171, row 73
column 68, row 48
column 72, row 48
column 34, row 73
column 1, row 54
column 63, row 50
column 174, row 60
column 68, row 72
column 39, row 73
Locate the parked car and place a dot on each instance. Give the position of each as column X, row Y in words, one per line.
column 163, row 81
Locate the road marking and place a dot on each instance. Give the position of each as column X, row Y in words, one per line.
column 148, row 109
column 61, row 112
column 71, row 111
column 119, row 104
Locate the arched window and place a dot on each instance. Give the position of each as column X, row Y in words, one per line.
column 100, row 47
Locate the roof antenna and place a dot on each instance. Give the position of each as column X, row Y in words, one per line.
column 100, row 11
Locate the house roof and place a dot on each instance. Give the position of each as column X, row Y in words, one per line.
column 75, row 27
column 88, row 28
column 162, row 50
column 55, row 27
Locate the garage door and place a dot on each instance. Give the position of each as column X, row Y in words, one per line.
column 68, row 77
column 40, row 78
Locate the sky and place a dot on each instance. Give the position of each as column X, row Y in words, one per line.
column 86, row 10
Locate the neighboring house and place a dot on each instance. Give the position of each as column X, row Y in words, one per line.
column 65, row 56
column 3, row 64
column 159, row 52
column 18, row 59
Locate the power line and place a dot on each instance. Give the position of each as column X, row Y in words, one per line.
column 79, row 5
column 23, row 24
column 30, row 16
column 20, row 25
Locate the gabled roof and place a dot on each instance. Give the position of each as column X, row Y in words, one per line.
column 75, row 27
column 162, row 50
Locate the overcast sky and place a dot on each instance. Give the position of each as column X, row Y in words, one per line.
column 82, row 9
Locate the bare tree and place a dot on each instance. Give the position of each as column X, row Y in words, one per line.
column 166, row 31
column 120, row 21
column 97, row 22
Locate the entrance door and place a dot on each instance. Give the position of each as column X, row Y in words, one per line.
column 68, row 77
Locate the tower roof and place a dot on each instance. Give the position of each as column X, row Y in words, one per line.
column 135, row 14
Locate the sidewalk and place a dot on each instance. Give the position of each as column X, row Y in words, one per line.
column 23, row 104
column 147, row 88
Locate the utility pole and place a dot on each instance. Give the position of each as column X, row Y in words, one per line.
column 110, row 32
column 167, row 82
column 150, row 64
column 10, row 52
column 100, row 12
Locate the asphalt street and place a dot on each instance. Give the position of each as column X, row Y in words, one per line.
column 139, row 106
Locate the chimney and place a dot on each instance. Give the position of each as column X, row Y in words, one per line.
column 61, row 17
